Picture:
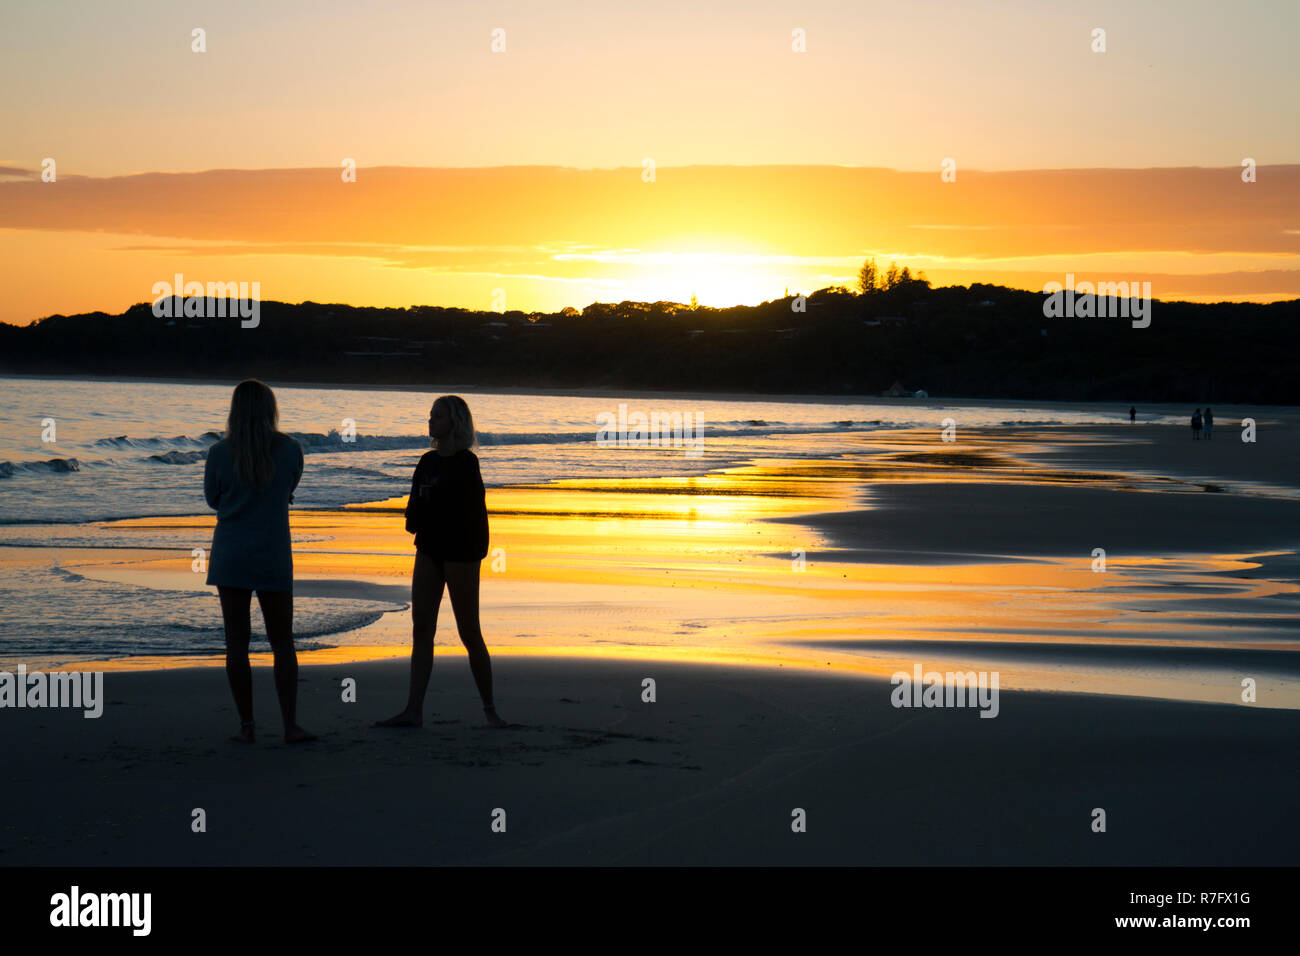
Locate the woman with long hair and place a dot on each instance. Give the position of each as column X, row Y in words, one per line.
column 447, row 513
column 249, row 479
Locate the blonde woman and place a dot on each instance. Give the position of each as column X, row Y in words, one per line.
column 249, row 478
column 447, row 513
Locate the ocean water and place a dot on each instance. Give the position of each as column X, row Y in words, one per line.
column 74, row 452
column 136, row 449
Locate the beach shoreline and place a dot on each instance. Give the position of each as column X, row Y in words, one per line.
column 829, row 398
column 982, row 548
column 771, row 604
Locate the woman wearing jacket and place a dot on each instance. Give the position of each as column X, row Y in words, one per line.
column 249, row 478
column 447, row 513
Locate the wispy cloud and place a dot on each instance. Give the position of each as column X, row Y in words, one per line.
column 733, row 233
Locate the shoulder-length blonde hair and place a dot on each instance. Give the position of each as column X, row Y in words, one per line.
column 250, row 431
column 462, row 423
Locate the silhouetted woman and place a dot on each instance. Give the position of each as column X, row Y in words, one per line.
column 447, row 513
column 249, row 479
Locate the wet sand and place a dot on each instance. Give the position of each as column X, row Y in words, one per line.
column 980, row 551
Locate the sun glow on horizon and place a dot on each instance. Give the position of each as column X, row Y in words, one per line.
column 540, row 239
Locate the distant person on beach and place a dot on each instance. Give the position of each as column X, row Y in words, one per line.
column 1209, row 424
column 249, row 478
column 1132, row 414
column 1196, row 425
column 447, row 513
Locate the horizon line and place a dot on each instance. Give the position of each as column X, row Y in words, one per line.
column 686, row 305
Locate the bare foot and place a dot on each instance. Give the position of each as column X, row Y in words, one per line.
column 404, row 719
column 493, row 718
column 245, row 735
column 296, row 735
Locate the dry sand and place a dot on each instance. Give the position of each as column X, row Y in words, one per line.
column 708, row 774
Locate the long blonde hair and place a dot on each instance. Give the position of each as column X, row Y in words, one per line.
column 462, row 423
column 251, row 428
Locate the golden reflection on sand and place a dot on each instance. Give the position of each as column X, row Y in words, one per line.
column 687, row 569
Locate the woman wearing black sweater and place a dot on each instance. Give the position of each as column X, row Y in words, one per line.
column 447, row 514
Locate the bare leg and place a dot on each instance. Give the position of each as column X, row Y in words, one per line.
column 462, row 584
column 235, row 605
column 427, row 583
column 277, row 611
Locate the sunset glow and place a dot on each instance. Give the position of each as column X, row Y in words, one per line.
column 484, row 177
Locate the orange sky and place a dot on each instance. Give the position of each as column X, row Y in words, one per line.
column 549, row 237
column 500, row 145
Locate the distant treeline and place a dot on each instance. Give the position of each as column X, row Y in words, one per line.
column 980, row 342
